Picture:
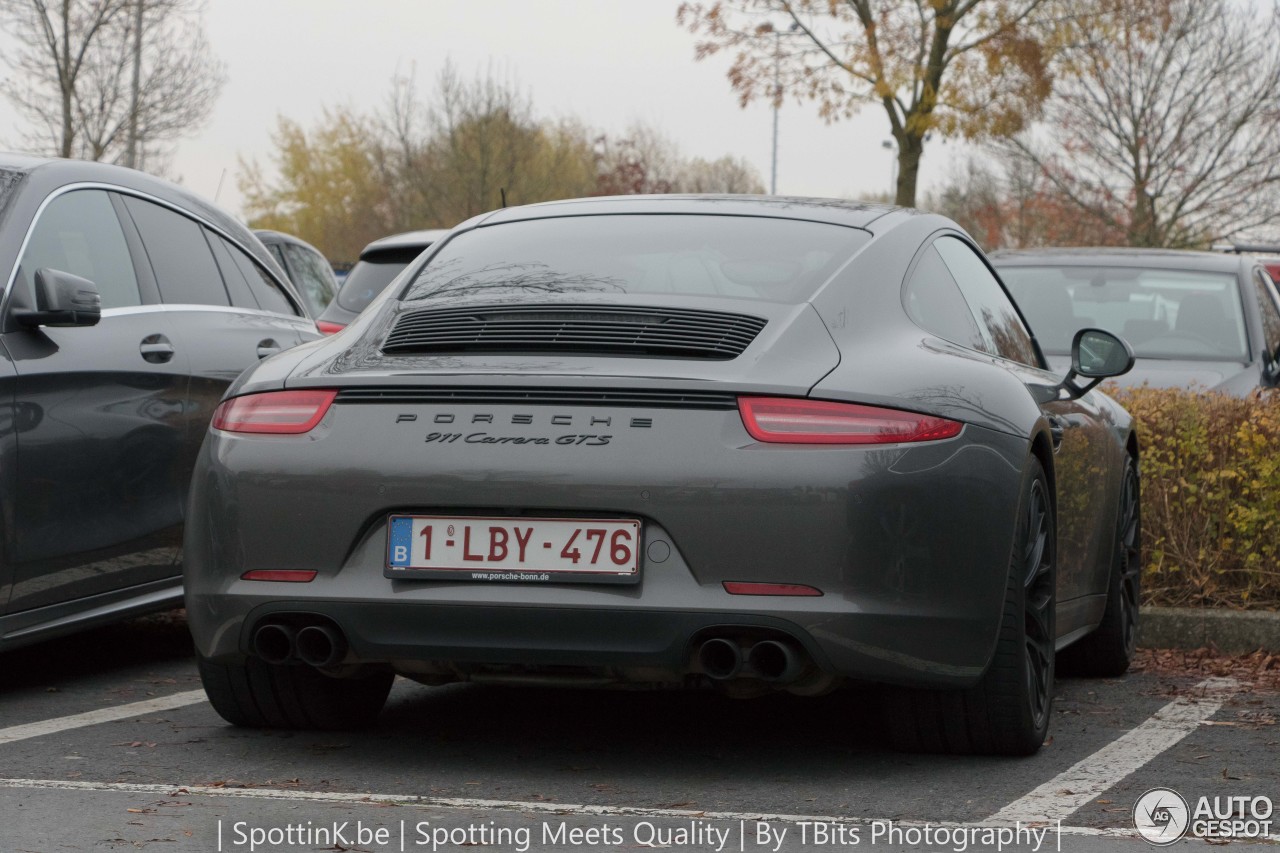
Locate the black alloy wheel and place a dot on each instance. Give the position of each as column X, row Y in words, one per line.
column 1038, row 602
column 1129, row 558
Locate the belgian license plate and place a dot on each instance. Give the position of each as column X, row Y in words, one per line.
column 503, row 548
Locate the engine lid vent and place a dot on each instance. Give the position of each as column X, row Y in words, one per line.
column 584, row 330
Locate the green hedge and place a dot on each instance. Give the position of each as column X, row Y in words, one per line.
column 1210, row 470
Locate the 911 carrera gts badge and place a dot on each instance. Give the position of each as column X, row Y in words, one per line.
column 486, row 438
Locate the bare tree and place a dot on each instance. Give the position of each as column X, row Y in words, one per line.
column 645, row 160
column 56, row 40
column 641, row 161
column 1166, row 134
column 726, row 175
column 1011, row 203
column 432, row 162
column 95, row 86
column 472, row 144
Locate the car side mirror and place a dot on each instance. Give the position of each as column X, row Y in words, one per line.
column 1271, row 368
column 1096, row 354
column 62, row 299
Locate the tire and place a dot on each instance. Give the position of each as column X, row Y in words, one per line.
column 256, row 694
column 1107, row 651
column 1008, row 711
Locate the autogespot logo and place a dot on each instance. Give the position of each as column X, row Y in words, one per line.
column 1161, row 816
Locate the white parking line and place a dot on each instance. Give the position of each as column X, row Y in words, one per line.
column 561, row 809
column 102, row 715
column 1067, row 792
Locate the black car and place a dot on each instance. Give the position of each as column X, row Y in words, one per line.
column 380, row 262
column 1194, row 319
column 307, row 267
column 129, row 307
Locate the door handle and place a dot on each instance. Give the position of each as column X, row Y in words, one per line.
column 268, row 347
column 156, row 349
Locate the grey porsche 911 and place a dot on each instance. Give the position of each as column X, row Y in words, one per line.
column 753, row 443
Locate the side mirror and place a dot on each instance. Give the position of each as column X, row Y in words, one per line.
column 62, row 299
column 1096, row 354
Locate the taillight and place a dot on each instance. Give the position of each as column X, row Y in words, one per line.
column 324, row 327
column 274, row 412
column 797, row 421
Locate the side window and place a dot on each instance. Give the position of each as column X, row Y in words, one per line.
column 183, row 264
column 934, row 302
column 312, row 275
column 274, row 249
column 237, row 285
column 79, row 233
column 1002, row 329
column 1270, row 313
column 263, row 286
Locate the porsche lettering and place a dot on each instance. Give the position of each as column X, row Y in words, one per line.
column 590, row 421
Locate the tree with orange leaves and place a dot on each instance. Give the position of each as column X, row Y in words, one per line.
column 954, row 67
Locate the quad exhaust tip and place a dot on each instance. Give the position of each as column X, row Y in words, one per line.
column 774, row 661
column 321, row 646
column 316, row 645
column 720, row 658
column 274, row 643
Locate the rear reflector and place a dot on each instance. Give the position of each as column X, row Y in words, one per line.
column 274, row 412
column 745, row 588
column 285, row 575
column 324, row 327
column 796, row 421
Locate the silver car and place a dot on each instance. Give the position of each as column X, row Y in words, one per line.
column 752, row 443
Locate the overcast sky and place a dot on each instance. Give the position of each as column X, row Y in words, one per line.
column 606, row 62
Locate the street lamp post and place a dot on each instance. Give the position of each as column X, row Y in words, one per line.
column 777, row 101
column 777, row 93
column 893, row 170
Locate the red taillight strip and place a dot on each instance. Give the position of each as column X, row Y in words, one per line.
column 325, row 327
column 284, row 575
column 749, row 588
column 789, row 420
column 274, row 412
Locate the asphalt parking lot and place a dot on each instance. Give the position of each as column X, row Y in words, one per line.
column 106, row 744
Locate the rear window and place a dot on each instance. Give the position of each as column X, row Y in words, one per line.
column 1183, row 314
column 757, row 258
column 371, row 275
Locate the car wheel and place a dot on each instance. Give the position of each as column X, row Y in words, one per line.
column 256, row 694
column 1007, row 712
column 1108, row 650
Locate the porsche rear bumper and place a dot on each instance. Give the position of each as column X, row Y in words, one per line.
column 908, row 544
